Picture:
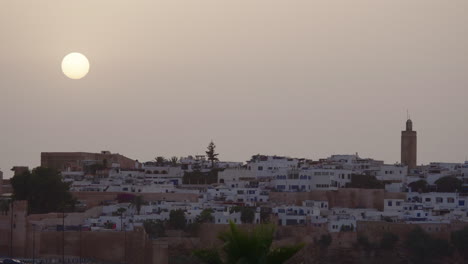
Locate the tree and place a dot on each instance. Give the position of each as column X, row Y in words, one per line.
column 425, row 249
column 247, row 213
column 138, row 202
column 44, row 190
column 448, row 184
column 174, row 161
column 154, row 228
column 210, row 153
column 160, row 160
column 4, row 206
column 388, row 241
column 245, row 247
column 460, row 241
column 419, row 186
column 177, row 219
column 365, row 182
column 206, row 216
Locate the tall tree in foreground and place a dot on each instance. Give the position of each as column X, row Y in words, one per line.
column 245, row 247
column 44, row 190
column 211, row 154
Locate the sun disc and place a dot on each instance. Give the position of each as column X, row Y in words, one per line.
column 75, row 65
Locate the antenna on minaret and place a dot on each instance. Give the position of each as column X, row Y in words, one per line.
column 407, row 114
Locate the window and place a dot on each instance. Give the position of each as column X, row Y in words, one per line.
column 450, row 200
column 439, row 200
column 260, row 168
column 461, row 202
column 427, row 199
column 398, row 203
column 389, row 203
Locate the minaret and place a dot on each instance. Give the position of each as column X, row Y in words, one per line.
column 408, row 146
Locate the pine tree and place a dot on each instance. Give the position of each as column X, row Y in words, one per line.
column 212, row 156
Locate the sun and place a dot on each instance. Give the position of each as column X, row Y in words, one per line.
column 75, row 65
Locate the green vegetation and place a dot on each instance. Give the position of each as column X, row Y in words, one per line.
column 245, row 247
column 44, row 190
column 160, row 160
column 4, row 206
column 177, row 219
column 210, row 153
column 198, row 177
column 347, row 228
column 423, row 248
column 460, row 241
column 154, row 228
column 388, row 241
column 137, row 202
column 365, row 182
column 206, row 216
column 174, row 161
column 448, row 184
column 419, row 186
column 247, row 213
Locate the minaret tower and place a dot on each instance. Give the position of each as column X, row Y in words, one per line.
column 408, row 146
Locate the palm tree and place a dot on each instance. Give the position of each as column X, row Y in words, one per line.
column 247, row 248
column 174, row 161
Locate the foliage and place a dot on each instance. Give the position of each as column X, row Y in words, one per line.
column 388, row 241
column 365, row 182
column 125, row 197
column 198, row 177
column 121, row 211
column 347, row 228
column 211, row 154
column 206, row 216
column 245, row 247
column 93, row 168
column 154, row 228
column 138, row 202
column 160, row 160
column 177, row 219
column 364, row 242
column 174, row 160
column 419, row 186
column 448, row 184
column 4, row 206
column 460, row 241
column 425, row 249
column 109, row 225
column 325, row 241
column 247, row 213
column 44, row 190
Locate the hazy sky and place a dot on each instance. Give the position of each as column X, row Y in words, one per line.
column 300, row 78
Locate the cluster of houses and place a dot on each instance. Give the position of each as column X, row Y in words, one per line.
column 250, row 184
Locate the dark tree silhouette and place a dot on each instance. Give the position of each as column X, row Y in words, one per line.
column 44, row 190
column 211, row 154
column 248, row 248
column 448, row 184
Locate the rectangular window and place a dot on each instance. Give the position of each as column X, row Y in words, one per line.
column 439, row 200
column 389, row 203
column 461, row 202
column 450, row 200
column 427, row 199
